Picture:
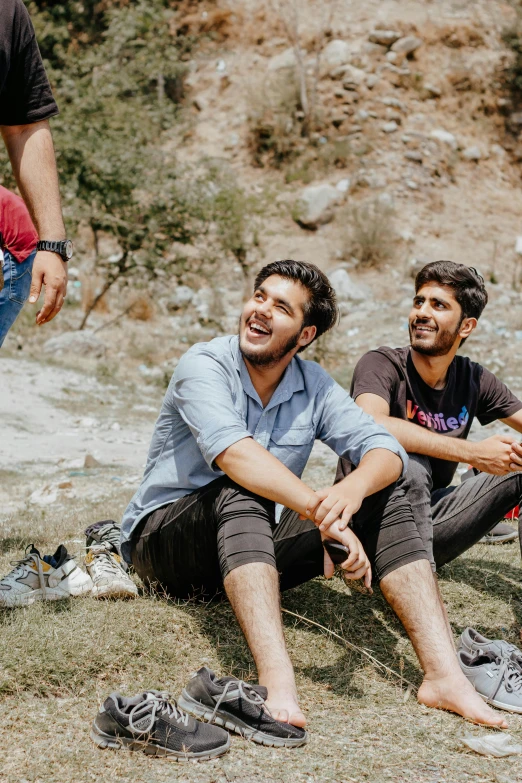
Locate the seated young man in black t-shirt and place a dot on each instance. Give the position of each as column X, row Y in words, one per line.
column 427, row 397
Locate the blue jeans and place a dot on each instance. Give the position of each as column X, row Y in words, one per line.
column 17, row 284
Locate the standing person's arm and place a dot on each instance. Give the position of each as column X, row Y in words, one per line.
column 31, row 152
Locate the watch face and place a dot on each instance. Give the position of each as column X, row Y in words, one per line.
column 68, row 248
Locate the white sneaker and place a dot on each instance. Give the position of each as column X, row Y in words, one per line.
column 109, row 578
column 49, row 578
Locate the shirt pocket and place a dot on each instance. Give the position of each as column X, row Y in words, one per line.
column 292, row 446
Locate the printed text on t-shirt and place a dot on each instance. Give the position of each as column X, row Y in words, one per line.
column 437, row 421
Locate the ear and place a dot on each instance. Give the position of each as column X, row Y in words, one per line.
column 307, row 335
column 467, row 326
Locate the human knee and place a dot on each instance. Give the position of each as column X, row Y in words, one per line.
column 418, row 473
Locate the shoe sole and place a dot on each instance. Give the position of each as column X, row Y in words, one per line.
column 500, row 705
column 50, row 595
column 113, row 592
column 201, row 712
column 499, row 539
column 107, row 741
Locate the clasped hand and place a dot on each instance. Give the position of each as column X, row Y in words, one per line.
column 331, row 509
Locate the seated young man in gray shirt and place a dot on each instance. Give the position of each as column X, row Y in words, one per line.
column 222, row 504
column 427, row 396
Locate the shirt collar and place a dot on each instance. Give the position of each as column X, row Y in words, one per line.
column 291, row 382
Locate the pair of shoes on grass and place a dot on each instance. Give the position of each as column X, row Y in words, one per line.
column 494, row 668
column 54, row 577
column 161, row 727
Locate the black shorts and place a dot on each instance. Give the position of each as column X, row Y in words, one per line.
column 188, row 547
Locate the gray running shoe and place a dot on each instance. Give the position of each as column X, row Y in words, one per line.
column 239, row 707
column 151, row 722
column 474, row 643
column 497, row 680
column 502, row 533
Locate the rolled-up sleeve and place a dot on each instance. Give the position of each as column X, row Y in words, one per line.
column 202, row 393
column 349, row 431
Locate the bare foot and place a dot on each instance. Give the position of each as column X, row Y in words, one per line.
column 286, row 709
column 455, row 693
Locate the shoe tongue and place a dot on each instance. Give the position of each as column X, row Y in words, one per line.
column 58, row 559
column 33, row 551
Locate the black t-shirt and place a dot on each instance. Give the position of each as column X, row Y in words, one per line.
column 470, row 391
column 25, row 92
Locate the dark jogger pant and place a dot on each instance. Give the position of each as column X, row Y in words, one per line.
column 188, row 547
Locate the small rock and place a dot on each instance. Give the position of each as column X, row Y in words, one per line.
column 407, row 45
column 411, row 184
column 83, row 343
column 384, row 37
column 314, row 206
column 345, row 288
column 390, row 127
column 115, row 426
column 200, row 103
column 91, row 462
column 472, row 153
column 286, row 59
column 372, row 48
column 45, row 496
column 182, row 296
column 335, row 54
column 352, row 77
column 343, row 186
column 445, row 137
column 65, row 485
column 414, row 155
column 430, row 91
column 518, row 246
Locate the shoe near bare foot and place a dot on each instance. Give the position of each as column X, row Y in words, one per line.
column 472, row 642
column 456, row 694
column 240, row 707
column 498, row 680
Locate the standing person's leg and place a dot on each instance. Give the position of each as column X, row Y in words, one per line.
column 17, row 284
column 220, row 536
column 462, row 515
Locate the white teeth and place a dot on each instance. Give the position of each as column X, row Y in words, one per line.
column 259, row 328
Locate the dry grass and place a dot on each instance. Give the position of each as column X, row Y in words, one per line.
column 58, row 661
column 370, row 236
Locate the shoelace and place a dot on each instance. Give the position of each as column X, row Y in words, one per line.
column 109, row 563
column 256, row 699
column 156, row 701
column 23, row 565
column 110, row 533
column 509, row 674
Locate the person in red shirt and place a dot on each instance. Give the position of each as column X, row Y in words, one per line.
column 18, row 240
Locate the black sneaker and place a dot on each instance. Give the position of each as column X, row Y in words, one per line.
column 152, row 723
column 239, row 707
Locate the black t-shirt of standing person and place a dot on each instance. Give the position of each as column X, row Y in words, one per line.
column 25, row 92
column 470, row 391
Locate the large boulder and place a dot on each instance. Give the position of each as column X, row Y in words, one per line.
column 83, row 343
column 315, row 206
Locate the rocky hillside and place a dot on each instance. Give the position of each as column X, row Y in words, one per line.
column 368, row 137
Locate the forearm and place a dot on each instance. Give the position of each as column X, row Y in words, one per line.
column 418, row 440
column 378, row 469
column 31, row 152
column 254, row 468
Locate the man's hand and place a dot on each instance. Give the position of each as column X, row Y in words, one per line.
column 337, row 503
column 356, row 565
column 48, row 270
column 497, row 455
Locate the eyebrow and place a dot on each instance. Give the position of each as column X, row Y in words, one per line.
column 278, row 300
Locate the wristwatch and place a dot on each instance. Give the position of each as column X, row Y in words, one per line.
column 64, row 247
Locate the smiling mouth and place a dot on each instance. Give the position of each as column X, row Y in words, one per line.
column 258, row 329
column 423, row 329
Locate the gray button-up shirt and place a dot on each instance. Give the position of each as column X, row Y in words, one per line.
column 211, row 404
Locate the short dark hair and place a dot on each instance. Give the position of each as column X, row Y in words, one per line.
column 321, row 308
column 467, row 285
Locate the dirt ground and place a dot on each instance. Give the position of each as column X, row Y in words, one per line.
column 58, row 662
